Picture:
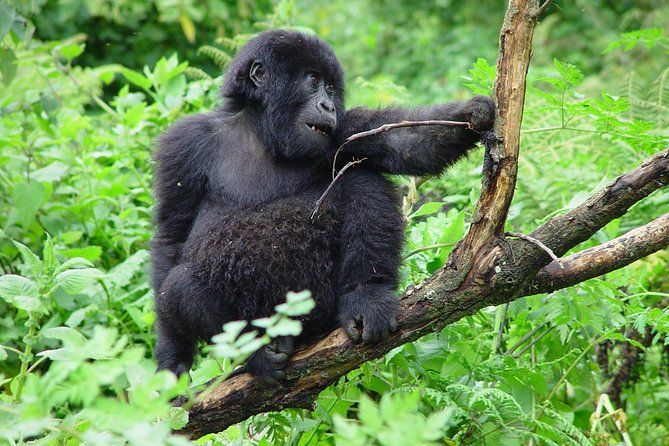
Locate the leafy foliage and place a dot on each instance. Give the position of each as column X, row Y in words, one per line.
column 77, row 128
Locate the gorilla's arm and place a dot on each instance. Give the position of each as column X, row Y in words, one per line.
column 183, row 158
column 416, row 150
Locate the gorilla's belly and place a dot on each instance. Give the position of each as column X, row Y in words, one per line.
column 251, row 258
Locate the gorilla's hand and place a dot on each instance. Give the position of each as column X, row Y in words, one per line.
column 481, row 111
column 268, row 362
column 369, row 314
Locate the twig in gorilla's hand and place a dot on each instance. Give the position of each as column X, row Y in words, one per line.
column 537, row 242
column 394, row 125
column 334, row 180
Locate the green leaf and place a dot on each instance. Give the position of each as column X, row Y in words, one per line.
column 136, row 78
column 66, row 335
column 49, row 255
column 177, row 418
column 30, row 258
column 30, row 304
column 297, row 304
column 570, row 75
column 71, row 51
column 427, row 209
column 12, row 286
column 3, row 353
column 28, row 197
column 7, row 16
column 7, row 64
column 73, row 281
column 285, row 327
column 89, row 253
column 134, row 115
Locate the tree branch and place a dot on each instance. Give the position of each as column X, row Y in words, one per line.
column 563, row 232
column 602, row 259
column 515, row 47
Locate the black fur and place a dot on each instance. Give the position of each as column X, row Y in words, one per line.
column 236, row 187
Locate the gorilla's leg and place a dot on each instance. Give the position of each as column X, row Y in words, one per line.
column 370, row 244
column 186, row 312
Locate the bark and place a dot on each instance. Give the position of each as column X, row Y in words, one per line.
column 602, row 259
column 484, row 269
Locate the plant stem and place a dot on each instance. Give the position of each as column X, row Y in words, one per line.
column 26, row 357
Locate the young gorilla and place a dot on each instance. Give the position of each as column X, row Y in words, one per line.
column 236, row 187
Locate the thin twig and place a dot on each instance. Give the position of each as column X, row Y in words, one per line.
column 525, row 338
column 545, row 6
column 391, row 126
column 95, row 98
column 428, row 248
column 537, row 242
column 500, row 329
column 341, row 172
column 533, row 341
column 372, row 132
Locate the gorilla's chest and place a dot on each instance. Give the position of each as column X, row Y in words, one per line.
column 253, row 178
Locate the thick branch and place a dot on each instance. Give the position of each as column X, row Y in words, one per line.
column 515, row 47
column 602, row 259
column 563, row 232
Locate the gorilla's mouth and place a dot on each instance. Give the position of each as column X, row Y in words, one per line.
column 322, row 129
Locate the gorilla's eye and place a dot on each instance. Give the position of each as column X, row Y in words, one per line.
column 329, row 89
column 313, row 79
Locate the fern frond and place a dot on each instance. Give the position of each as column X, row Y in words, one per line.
column 218, row 56
column 228, row 43
column 194, row 73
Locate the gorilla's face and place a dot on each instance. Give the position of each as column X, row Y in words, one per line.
column 293, row 85
column 317, row 118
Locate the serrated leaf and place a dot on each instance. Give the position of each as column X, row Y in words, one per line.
column 427, row 209
column 136, row 78
column 30, row 258
column 285, row 327
column 75, row 262
column 73, row 281
column 177, row 418
column 71, row 51
column 67, row 335
column 12, row 285
column 28, row 197
column 30, row 304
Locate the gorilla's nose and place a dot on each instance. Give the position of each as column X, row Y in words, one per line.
column 326, row 105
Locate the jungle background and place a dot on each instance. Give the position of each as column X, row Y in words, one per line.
column 86, row 86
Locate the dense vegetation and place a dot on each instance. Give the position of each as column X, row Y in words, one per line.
column 87, row 85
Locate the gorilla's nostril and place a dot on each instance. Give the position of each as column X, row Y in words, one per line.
column 326, row 105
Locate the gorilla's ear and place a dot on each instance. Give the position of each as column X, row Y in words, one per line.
column 257, row 73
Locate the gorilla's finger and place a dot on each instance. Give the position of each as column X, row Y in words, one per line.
column 384, row 333
column 370, row 334
column 279, row 375
column 268, row 380
column 276, row 358
column 285, row 344
column 392, row 324
column 351, row 330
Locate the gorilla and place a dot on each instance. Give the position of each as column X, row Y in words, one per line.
column 236, row 188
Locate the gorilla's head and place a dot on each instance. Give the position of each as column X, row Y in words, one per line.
column 292, row 86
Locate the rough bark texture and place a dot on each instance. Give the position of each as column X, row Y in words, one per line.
column 483, row 270
column 599, row 260
column 515, row 48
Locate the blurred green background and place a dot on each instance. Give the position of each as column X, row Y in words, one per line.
column 87, row 85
